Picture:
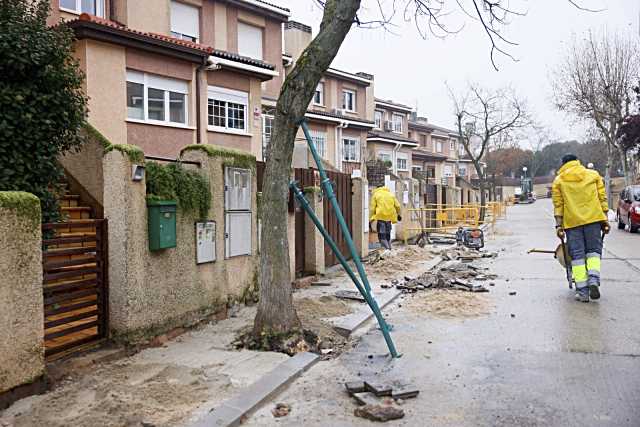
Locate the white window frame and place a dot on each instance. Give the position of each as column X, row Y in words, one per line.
column 438, row 147
column 447, row 171
column 250, row 51
column 166, row 84
column 355, row 143
column 405, row 159
column 380, row 122
column 354, row 101
column 319, row 90
column 320, row 141
column 396, row 128
column 179, row 30
column 385, row 156
column 78, row 8
column 266, row 136
column 418, row 168
column 215, row 93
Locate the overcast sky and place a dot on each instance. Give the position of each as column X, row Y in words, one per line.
column 413, row 71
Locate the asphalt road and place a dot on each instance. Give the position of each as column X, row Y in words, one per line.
column 536, row 358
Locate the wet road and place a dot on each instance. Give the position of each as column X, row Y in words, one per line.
column 537, row 359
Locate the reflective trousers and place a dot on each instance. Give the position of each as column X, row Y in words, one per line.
column 585, row 248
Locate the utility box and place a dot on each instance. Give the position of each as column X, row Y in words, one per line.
column 162, row 224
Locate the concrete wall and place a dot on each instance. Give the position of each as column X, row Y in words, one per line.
column 22, row 312
column 86, row 167
column 152, row 292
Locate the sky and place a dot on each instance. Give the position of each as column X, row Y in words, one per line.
column 414, row 71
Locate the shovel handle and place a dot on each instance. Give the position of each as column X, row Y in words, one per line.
column 540, row 251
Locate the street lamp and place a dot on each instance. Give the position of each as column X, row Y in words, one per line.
column 524, row 169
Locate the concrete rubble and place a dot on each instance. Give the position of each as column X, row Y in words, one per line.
column 379, row 400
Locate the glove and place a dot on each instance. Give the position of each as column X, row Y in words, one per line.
column 560, row 232
column 606, row 228
column 399, row 218
column 371, row 226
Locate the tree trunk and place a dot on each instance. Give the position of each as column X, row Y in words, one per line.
column 607, row 175
column 275, row 308
column 625, row 166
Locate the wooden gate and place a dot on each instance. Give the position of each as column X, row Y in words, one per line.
column 75, row 284
column 343, row 190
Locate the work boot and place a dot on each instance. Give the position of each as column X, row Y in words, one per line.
column 582, row 294
column 594, row 288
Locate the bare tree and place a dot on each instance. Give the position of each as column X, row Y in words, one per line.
column 595, row 83
column 275, row 309
column 484, row 117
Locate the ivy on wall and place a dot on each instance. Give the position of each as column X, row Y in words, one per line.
column 41, row 100
column 188, row 188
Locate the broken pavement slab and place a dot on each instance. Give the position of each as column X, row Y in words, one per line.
column 380, row 413
column 347, row 325
column 366, row 398
column 231, row 412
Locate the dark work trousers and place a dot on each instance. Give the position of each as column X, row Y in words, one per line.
column 585, row 248
column 384, row 234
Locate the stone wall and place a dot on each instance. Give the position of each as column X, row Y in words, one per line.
column 21, row 312
column 153, row 292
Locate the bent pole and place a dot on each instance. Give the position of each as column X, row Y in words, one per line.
column 330, row 194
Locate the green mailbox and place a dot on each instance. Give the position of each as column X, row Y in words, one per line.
column 162, row 224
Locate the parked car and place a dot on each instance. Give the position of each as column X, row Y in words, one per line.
column 628, row 212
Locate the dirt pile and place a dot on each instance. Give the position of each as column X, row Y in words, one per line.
column 449, row 303
column 391, row 265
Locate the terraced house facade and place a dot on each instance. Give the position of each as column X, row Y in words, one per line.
column 163, row 74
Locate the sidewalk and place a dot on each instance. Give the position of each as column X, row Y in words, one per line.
column 178, row 382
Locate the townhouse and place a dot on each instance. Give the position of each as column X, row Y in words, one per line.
column 164, row 74
column 339, row 115
column 389, row 140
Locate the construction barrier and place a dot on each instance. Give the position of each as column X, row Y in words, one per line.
column 448, row 218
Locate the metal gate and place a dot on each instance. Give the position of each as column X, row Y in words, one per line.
column 343, row 190
column 75, row 284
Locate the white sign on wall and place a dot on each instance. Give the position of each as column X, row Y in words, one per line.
column 205, row 242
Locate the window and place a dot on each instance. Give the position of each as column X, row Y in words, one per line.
column 448, row 171
column 268, row 119
column 452, row 146
column 185, row 21
column 349, row 100
column 462, row 170
column 384, row 157
column 320, row 141
column 438, row 147
column 227, row 110
column 423, row 140
column 431, row 172
column 398, row 123
column 402, row 163
column 318, row 97
column 156, row 99
column 417, row 168
column 379, row 117
column 249, row 40
column 351, row 150
column 92, row 7
column 237, row 202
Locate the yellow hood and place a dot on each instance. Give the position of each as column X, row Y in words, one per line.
column 579, row 196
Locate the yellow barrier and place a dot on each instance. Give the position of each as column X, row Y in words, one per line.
column 448, row 218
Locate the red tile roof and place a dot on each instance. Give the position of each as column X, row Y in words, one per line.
column 112, row 24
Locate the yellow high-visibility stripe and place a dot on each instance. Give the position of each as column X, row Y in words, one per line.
column 579, row 273
column 593, row 264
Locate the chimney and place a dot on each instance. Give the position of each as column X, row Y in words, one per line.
column 297, row 37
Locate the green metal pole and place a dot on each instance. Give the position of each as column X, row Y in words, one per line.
column 332, row 244
column 329, row 193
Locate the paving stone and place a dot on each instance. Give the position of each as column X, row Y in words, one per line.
column 366, row 398
column 355, row 387
column 406, row 392
column 379, row 389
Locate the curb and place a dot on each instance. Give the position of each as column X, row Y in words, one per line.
column 233, row 411
column 347, row 325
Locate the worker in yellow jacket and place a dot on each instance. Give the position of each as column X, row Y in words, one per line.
column 385, row 209
column 580, row 208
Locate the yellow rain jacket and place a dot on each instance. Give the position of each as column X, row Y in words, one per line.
column 384, row 206
column 579, row 196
